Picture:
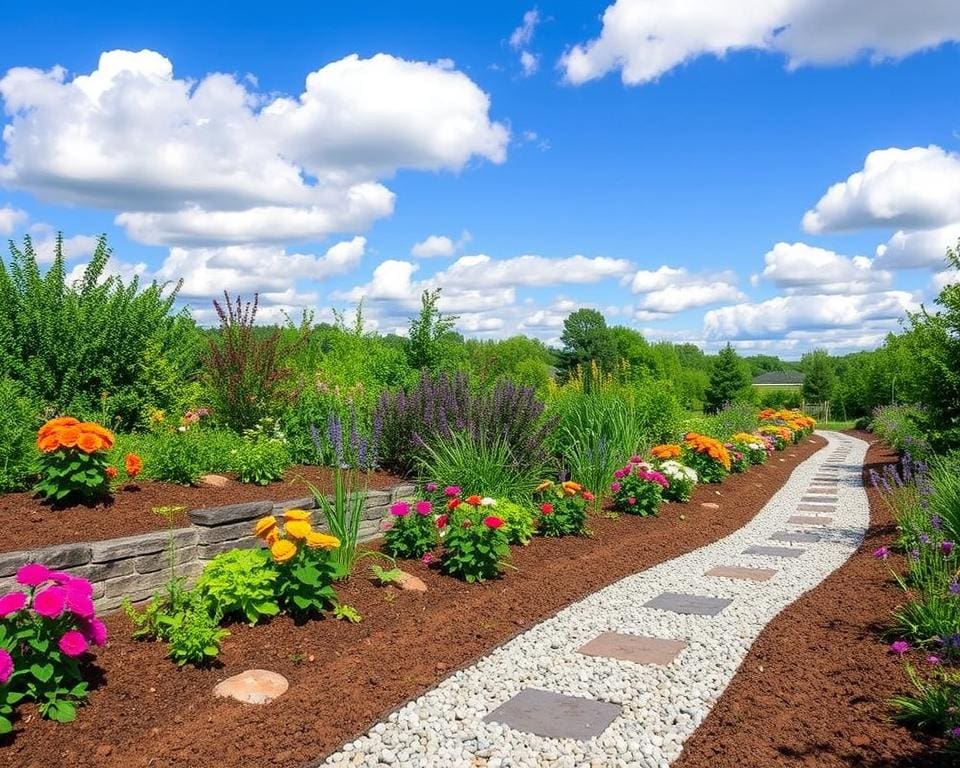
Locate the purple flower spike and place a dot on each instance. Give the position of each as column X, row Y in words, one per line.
column 946, row 547
column 882, row 553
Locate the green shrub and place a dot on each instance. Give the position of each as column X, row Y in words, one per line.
column 475, row 546
column 944, row 502
column 413, row 530
column 343, row 515
column 562, row 509
column 176, row 457
column 240, row 582
column 18, row 433
column 260, row 460
column 518, row 521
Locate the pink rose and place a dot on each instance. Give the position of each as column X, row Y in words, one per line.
column 73, row 643
column 11, row 603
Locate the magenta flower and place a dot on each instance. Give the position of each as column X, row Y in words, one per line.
column 882, row 553
column 654, row 477
column 94, row 630
column 6, row 666
column 11, row 603
column 492, row 521
column 946, row 547
column 636, row 460
column 933, row 660
column 33, row 574
column 451, row 490
column 386, row 525
column 955, row 732
column 50, row 602
column 631, row 501
column 400, row 509
column 899, row 647
column 73, row 643
column 615, row 487
column 431, row 487
column 79, row 602
column 427, row 558
column 442, row 522
column 620, row 474
column 424, row 508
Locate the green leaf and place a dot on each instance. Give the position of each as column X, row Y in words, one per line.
column 5, row 725
column 62, row 711
column 42, row 673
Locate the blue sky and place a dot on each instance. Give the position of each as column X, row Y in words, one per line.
column 659, row 162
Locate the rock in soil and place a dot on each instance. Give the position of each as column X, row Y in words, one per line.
column 255, row 686
column 411, row 583
column 214, row 481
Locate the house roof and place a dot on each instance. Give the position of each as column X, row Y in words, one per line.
column 782, row 378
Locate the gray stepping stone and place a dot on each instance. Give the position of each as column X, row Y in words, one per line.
column 635, row 648
column 827, row 491
column 816, row 507
column 774, row 551
column 690, row 605
column 823, row 499
column 738, row 572
column 809, row 520
column 795, row 538
column 554, row 715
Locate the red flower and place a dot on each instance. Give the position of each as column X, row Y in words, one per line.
column 442, row 522
column 546, row 508
column 111, row 472
column 492, row 522
column 453, row 504
column 474, row 501
column 587, row 495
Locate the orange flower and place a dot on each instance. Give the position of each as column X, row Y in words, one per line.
column 296, row 514
column 89, row 442
column 572, row 487
column 543, row 486
column 474, row 501
column 282, row 550
column 111, row 472
column 264, row 525
column 48, row 443
column 68, row 436
column 55, row 424
column 298, row 529
column 322, row 540
column 133, row 464
column 105, row 435
column 665, row 451
column 271, row 537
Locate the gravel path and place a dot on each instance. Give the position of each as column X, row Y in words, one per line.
column 661, row 645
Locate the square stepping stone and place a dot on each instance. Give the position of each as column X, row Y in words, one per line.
column 635, row 648
column 555, row 715
column 689, row 605
column 816, row 507
column 738, row 572
column 809, row 520
column 795, row 538
column 824, row 499
column 827, row 491
column 774, row 551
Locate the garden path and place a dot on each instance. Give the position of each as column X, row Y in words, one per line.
column 623, row 677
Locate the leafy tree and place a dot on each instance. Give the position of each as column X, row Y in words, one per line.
column 520, row 359
column 586, row 339
column 819, row 377
column 431, row 335
column 729, row 380
column 634, row 350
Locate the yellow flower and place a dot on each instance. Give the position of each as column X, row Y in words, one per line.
column 296, row 514
column 322, row 540
column 298, row 529
column 264, row 526
column 282, row 550
column 543, row 486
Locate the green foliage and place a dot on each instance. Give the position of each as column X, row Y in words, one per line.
column 260, row 460
column 385, row 576
column 729, row 380
column 639, row 493
column 708, row 470
column 18, row 432
column 343, row 515
column 518, row 521
column 176, row 457
column 898, row 425
column 69, row 475
column 736, row 417
column 474, row 548
column 586, row 339
column 935, row 707
column 944, row 502
column 344, row 612
column 411, row 534
column 819, row 376
column 79, row 347
column 193, row 635
column 431, row 338
column 518, row 359
column 560, row 513
column 304, row 585
column 240, row 583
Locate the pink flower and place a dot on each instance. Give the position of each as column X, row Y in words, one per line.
column 73, row 643
column 899, row 647
column 11, row 603
column 615, row 487
column 94, row 630
column 431, row 487
column 492, row 522
column 933, row 660
column 6, row 666
column 882, row 553
column 78, row 601
column 400, row 509
column 546, row 508
column 50, row 602
column 386, row 525
column 33, row 574
column 427, row 558
column 587, row 496
column 424, row 508
column 442, row 521
column 620, row 474
column 451, row 490
column 631, row 501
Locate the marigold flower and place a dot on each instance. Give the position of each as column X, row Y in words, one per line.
column 297, row 514
column 282, row 550
column 298, row 529
column 89, row 442
column 72, row 643
column 316, row 540
column 571, row 487
column 492, row 522
column 665, row 451
column 68, row 436
column 55, row 424
column 48, row 443
column 111, row 472
column 264, row 526
column 133, row 464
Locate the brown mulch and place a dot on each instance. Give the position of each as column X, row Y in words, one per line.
column 814, row 688
column 344, row 677
column 28, row 523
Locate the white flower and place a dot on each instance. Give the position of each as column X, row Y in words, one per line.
column 486, row 501
column 678, row 471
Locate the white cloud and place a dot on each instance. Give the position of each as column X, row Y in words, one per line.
column 44, row 240
column 439, row 245
column 916, row 188
column 213, row 161
column 783, row 314
column 802, row 268
column 246, row 269
column 10, row 219
column 522, row 36
column 675, row 289
column 481, row 271
column 646, row 38
column 923, row 248
column 114, row 268
column 947, row 277
column 529, row 63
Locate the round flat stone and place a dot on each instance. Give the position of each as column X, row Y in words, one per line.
column 255, row 686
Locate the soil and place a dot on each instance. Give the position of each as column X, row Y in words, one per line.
column 29, row 523
column 343, row 677
column 814, row 688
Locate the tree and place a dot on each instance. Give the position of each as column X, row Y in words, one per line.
column 586, row 338
column 431, row 333
column 634, row 350
column 729, row 380
column 819, row 378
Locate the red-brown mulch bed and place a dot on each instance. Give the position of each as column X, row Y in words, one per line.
column 344, row 677
column 814, row 688
column 28, row 523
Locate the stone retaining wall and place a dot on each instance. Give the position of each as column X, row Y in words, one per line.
column 136, row 566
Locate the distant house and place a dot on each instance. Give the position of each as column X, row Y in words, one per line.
column 779, row 380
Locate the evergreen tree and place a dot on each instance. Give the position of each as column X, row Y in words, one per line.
column 729, row 380
column 819, row 376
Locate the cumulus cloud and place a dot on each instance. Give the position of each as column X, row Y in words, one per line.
column 784, row 314
column 481, row 271
column 947, row 277
column 214, row 161
column 669, row 290
column 646, row 38
column 916, row 188
column 801, row 268
column 10, row 219
column 439, row 245
column 923, row 248
column 529, row 63
column 520, row 41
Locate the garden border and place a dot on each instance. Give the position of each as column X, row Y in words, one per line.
column 136, row 566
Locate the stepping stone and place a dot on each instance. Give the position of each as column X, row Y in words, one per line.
column 809, row 520
column 827, row 491
column 689, row 605
column 555, row 715
column 774, row 551
column 255, row 686
column 816, row 507
column 824, row 499
column 795, row 538
column 738, row 572
column 635, row 648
